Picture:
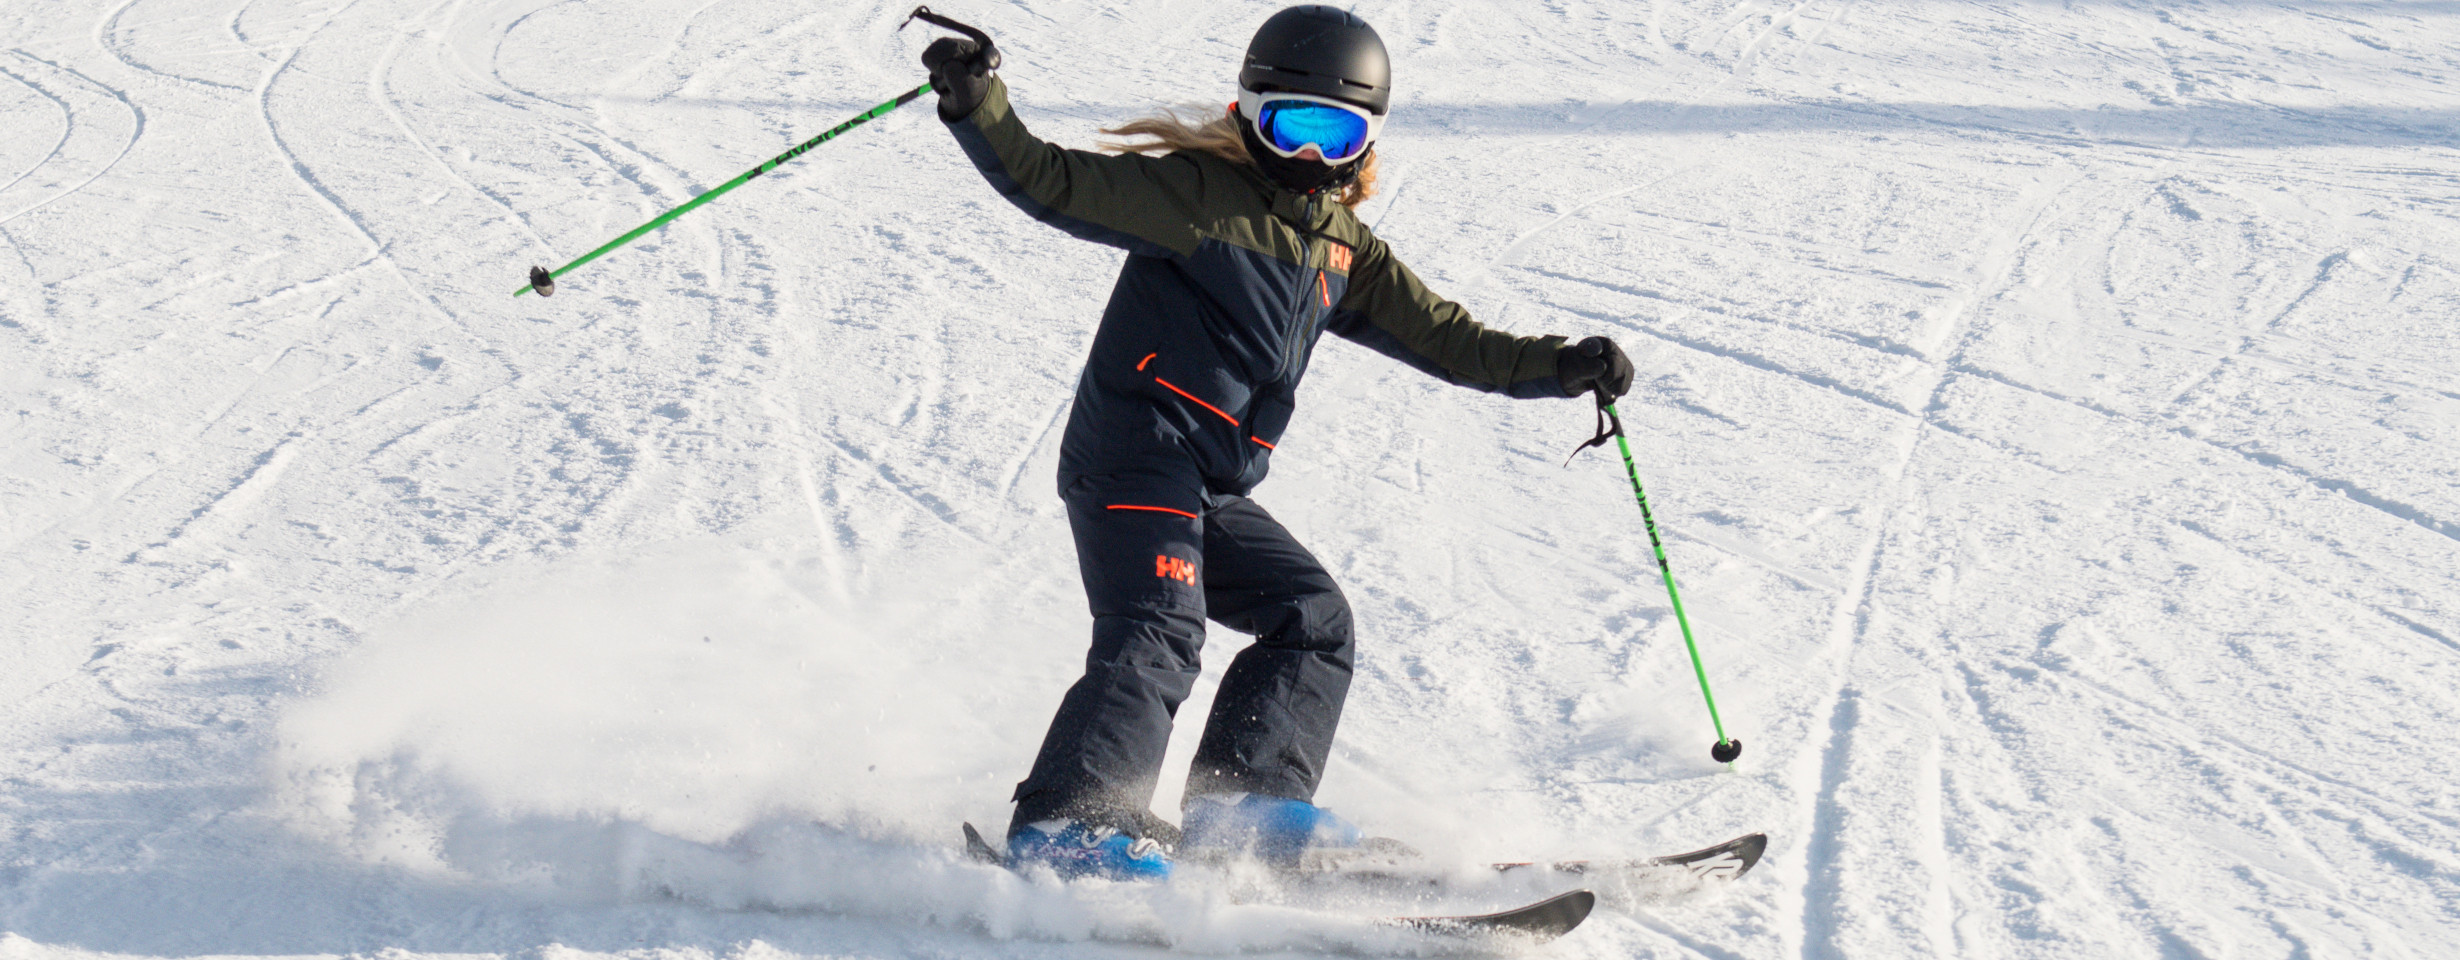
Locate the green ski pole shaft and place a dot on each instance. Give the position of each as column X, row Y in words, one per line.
column 1726, row 749
column 543, row 280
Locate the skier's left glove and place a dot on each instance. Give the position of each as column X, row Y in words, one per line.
column 961, row 73
column 1594, row 364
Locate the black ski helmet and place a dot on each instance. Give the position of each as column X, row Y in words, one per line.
column 1320, row 50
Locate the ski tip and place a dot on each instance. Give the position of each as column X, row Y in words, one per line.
column 980, row 850
column 1748, row 848
column 1569, row 910
column 1724, row 861
column 1540, row 921
column 542, row 281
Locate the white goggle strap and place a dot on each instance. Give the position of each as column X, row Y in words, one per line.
column 1251, row 105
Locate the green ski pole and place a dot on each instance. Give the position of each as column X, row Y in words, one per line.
column 543, row 279
column 1726, row 748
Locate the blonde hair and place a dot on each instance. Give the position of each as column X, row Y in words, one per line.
column 1169, row 131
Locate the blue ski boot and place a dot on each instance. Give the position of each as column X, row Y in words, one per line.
column 1073, row 850
column 1275, row 830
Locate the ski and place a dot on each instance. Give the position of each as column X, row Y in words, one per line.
column 1724, row 861
column 1393, row 861
column 1657, row 879
column 1540, row 921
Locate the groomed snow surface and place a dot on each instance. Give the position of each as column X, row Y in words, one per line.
column 2051, row 409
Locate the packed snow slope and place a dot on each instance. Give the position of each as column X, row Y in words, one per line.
column 2051, row 410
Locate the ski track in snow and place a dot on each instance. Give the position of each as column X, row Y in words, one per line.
column 66, row 128
column 74, row 79
column 2047, row 408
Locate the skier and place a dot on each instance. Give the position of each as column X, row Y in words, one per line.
column 1242, row 251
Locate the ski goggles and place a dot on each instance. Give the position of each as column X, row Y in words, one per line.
column 1291, row 122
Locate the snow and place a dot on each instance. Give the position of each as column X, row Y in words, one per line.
column 2050, row 410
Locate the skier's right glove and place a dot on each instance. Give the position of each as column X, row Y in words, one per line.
column 960, row 73
column 1594, row 364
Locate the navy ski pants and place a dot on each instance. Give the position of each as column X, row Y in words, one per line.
column 1153, row 573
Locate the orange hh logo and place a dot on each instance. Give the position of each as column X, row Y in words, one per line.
column 1340, row 257
column 1175, row 569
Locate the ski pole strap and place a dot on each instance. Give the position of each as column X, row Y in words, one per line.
column 986, row 50
column 1605, row 414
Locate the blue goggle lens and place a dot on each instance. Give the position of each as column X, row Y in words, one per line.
column 1291, row 124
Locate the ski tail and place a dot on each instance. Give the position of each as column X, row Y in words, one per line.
column 980, row 850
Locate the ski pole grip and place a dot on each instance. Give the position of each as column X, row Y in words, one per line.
column 990, row 52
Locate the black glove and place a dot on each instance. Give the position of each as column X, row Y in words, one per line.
column 961, row 73
column 1594, row 364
